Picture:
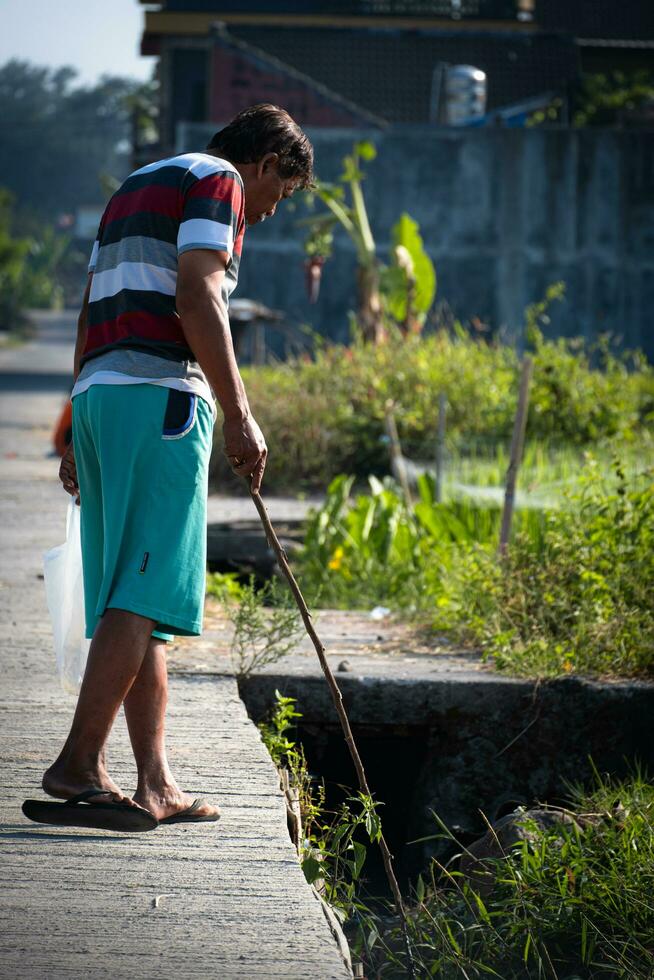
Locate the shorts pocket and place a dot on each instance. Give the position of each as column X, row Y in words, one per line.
column 181, row 413
column 179, row 464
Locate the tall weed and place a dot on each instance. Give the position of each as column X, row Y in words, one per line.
column 579, row 600
column 573, row 903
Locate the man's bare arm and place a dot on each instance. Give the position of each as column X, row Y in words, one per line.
column 68, row 469
column 205, row 323
column 82, row 328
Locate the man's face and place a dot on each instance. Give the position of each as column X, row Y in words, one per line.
column 264, row 189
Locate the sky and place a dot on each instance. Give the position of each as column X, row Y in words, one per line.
column 97, row 37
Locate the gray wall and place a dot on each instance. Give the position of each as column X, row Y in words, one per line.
column 503, row 213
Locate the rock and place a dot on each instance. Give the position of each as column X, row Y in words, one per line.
column 477, row 862
column 344, row 666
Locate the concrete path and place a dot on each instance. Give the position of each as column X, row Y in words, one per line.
column 220, row 901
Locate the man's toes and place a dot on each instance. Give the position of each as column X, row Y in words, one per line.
column 109, row 796
column 116, row 796
column 207, row 810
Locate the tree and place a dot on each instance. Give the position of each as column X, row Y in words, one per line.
column 57, row 138
column 13, row 253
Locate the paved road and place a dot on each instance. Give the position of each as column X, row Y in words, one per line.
column 227, row 901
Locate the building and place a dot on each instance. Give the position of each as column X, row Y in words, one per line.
column 503, row 213
column 372, row 62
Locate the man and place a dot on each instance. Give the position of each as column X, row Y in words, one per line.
column 153, row 346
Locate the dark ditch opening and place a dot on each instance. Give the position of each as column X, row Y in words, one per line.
column 240, row 547
column 460, row 749
column 392, row 762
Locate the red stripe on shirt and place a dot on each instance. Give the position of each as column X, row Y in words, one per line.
column 136, row 324
column 220, row 188
column 238, row 243
column 154, row 198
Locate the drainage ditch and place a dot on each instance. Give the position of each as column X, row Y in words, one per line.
column 466, row 744
column 462, row 748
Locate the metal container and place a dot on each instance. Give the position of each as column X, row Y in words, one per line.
column 463, row 95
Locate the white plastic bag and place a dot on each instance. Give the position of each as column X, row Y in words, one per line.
column 64, row 587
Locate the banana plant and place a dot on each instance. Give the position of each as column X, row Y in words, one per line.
column 405, row 289
column 353, row 217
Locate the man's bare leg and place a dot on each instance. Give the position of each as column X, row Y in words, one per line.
column 145, row 711
column 117, row 651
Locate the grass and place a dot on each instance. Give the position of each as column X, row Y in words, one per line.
column 573, row 903
column 547, row 471
column 575, row 600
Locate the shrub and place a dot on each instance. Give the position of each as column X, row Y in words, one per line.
column 325, row 416
column 573, row 593
column 266, row 623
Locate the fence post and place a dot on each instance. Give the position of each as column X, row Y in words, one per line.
column 395, row 449
column 258, row 344
column 440, row 447
column 517, row 443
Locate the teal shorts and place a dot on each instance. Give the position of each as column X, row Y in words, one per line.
column 142, row 453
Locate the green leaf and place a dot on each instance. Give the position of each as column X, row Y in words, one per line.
column 359, row 858
column 406, row 233
column 312, row 869
column 366, row 150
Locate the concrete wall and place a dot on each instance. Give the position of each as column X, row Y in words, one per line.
column 503, row 213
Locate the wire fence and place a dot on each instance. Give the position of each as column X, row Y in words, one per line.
column 475, row 468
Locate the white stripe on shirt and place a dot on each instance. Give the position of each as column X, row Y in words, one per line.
column 199, row 164
column 204, row 233
column 132, row 275
column 94, row 256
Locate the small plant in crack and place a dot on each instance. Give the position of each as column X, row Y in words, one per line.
column 266, row 627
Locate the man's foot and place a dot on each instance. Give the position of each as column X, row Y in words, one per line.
column 63, row 783
column 167, row 800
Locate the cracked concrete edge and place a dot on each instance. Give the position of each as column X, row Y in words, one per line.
column 336, row 929
column 331, row 917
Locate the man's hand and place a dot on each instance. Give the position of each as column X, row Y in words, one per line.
column 246, row 449
column 68, row 472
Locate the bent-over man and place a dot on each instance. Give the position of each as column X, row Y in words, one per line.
column 153, row 348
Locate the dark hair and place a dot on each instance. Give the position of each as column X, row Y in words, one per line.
column 262, row 129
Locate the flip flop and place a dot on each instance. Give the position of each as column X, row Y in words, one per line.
column 189, row 815
column 79, row 812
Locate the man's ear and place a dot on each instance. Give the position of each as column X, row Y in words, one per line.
column 267, row 162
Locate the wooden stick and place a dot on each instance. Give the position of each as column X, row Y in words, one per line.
column 397, row 459
column 337, row 698
column 440, row 447
column 517, row 443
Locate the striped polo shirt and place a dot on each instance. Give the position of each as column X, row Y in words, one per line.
column 194, row 200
